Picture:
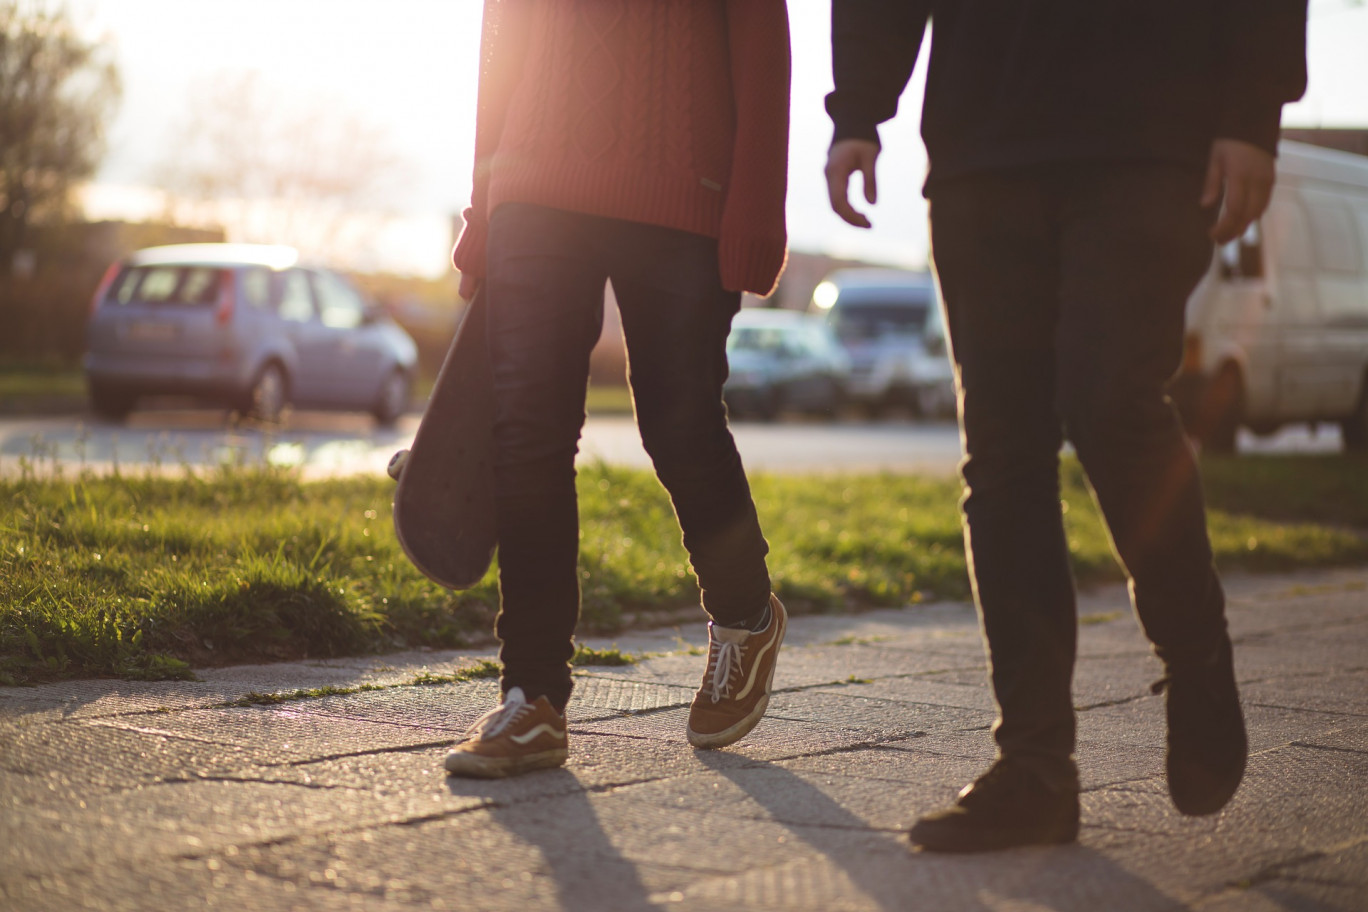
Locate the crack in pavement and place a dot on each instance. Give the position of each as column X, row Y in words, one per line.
column 257, row 780
column 1308, row 709
column 1328, row 747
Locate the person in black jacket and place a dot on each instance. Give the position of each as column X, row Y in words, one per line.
column 1083, row 157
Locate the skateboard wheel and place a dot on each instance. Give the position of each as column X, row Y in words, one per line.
column 396, row 464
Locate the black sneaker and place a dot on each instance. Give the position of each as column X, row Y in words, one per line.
column 1207, row 745
column 1006, row 807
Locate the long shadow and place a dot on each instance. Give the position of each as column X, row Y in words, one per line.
column 590, row 874
column 1072, row 878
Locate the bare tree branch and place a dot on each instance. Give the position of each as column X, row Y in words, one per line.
column 57, row 91
column 272, row 172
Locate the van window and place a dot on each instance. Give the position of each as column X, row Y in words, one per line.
column 1287, row 234
column 1334, row 234
column 1242, row 258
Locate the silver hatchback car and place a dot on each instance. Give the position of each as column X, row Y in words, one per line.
column 244, row 325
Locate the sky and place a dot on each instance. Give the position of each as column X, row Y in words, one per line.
column 409, row 68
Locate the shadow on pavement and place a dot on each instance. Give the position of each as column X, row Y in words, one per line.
column 568, row 835
column 1064, row 877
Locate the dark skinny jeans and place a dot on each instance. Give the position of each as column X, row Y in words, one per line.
column 546, row 272
column 1065, row 290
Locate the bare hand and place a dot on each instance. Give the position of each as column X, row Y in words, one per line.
column 469, row 286
column 1240, row 177
column 844, row 159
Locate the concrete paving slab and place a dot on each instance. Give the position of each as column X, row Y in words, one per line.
column 1342, row 693
column 1327, row 881
column 121, row 795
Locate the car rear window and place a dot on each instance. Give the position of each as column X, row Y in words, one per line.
column 184, row 285
column 755, row 338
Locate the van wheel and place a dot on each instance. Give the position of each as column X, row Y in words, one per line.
column 392, row 400
column 269, row 395
column 1354, row 429
column 1221, row 411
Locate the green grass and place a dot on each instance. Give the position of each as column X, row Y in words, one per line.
column 147, row 577
column 608, row 399
column 480, row 670
column 1323, row 489
column 38, row 386
column 612, row 657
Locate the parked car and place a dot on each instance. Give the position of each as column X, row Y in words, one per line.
column 246, row 326
column 782, row 360
column 890, row 324
column 1277, row 332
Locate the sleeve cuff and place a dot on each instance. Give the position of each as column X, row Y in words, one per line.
column 751, row 264
column 850, row 124
column 1256, row 125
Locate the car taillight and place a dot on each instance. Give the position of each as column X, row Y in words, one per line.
column 103, row 288
column 223, row 313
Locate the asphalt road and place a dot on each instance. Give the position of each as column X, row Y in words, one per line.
column 326, row 445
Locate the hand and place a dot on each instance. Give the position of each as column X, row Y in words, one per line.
column 844, row 159
column 469, row 286
column 1242, row 175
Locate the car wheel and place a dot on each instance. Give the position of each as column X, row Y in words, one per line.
column 1221, row 411
column 269, row 395
column 111, row 404
column 393, row 399
column 1354, row 429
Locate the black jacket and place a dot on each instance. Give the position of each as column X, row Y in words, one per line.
column 1014, row 83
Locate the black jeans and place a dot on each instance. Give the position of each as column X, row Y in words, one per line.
column 545, row 280
column 1064, row 290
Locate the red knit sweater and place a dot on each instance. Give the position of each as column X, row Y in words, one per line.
column 668, row 112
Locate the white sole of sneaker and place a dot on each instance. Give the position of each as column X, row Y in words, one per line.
column 473, row 766
column 740, row 729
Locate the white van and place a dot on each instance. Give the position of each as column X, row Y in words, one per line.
column 1277, row 332
column 889, row 321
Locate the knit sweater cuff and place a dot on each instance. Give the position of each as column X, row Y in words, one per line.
column 469, row 255
column 751, row 264
column 1254, row 123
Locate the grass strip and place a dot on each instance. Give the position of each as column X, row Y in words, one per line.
column 28, row 388
column 147, row 577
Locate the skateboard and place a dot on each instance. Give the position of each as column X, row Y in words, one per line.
column 444, row 502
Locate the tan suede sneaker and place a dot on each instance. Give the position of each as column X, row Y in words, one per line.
column 736, row 687
column 514, row 737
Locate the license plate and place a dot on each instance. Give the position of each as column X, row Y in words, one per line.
column 151, row 332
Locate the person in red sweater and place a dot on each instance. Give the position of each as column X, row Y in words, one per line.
column 644, row 144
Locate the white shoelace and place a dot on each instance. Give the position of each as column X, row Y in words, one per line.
column 513, row 708
column 728, row 660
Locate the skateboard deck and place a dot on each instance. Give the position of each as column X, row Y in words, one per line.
column 444, row 503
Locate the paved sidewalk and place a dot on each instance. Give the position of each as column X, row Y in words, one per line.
column 120, row 795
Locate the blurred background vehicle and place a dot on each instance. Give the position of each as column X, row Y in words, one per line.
column 245, row 326
column 783, row 360
column 1277, row 332
column 890, row 324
